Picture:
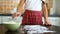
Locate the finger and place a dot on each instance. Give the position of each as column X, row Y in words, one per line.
column 14, row 15
column 18, row 15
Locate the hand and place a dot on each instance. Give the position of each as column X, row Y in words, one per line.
column 16, row 14
column 47, row 23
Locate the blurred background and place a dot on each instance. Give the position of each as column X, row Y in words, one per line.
column 9, row 6
column 6, row 6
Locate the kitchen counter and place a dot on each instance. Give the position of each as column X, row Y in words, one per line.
column 22, row 15
column 53, row 20
column 3, row 30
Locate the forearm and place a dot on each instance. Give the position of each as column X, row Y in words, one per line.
column 45, row 12
column 20, row 6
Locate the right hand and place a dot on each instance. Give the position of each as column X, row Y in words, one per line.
column 16, row 14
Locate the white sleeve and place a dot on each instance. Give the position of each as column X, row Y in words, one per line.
column 44, row 0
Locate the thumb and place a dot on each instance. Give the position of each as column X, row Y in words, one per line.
column 14, row 15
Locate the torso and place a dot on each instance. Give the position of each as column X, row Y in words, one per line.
column 33, row 5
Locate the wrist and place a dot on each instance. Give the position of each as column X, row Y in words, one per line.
column 45, row 19
column 18, row 12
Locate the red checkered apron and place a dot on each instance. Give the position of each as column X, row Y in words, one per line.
column 32, row 18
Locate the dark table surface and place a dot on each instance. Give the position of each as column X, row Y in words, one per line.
column 3, row 30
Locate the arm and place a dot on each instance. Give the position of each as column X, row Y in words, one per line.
column 20, row 6
column 19, row 9
column 45, row 12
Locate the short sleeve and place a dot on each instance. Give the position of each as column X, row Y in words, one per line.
column 44, row 0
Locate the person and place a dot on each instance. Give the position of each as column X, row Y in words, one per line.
column 33, row 12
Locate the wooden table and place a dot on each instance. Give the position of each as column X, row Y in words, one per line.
column 3, row 30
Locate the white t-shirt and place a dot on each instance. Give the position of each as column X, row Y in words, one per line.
column 33, row 5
